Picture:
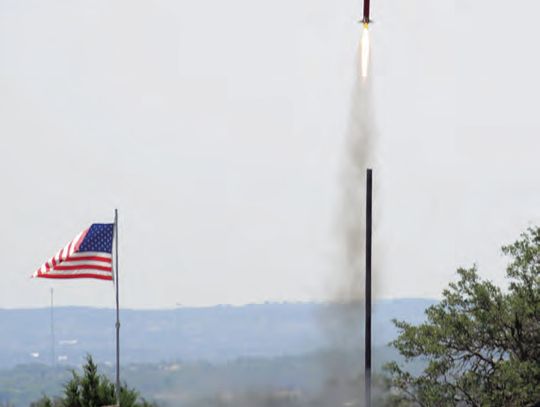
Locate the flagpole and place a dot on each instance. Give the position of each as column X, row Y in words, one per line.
column 53, row 355
column 117, row 308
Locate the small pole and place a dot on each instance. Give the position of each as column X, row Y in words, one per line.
column 369, row 187
column 53, row 353
column 117, row 308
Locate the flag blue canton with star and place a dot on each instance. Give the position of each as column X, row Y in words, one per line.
column 99, row 238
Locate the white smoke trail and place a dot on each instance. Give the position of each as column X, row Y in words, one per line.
column 344, row 321
column 359, row 145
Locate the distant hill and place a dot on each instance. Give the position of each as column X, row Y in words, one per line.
column 318, row 379
column 214, row 334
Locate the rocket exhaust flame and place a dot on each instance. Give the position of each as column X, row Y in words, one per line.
column 365, row 48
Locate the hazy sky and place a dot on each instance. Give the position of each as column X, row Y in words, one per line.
column 217, row 128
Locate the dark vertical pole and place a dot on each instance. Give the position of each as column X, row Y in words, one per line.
column 117, row 308
column 53, row 353
column 369, row 187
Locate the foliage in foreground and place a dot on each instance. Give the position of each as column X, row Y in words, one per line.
column 92, row 390
column 480, row 344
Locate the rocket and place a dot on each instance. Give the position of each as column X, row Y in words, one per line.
column 366, row 19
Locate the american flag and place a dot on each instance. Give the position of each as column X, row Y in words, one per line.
column 89, row 255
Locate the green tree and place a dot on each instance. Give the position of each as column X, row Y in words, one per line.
column 47, row 402
column 92, row 390
column 481, row 344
